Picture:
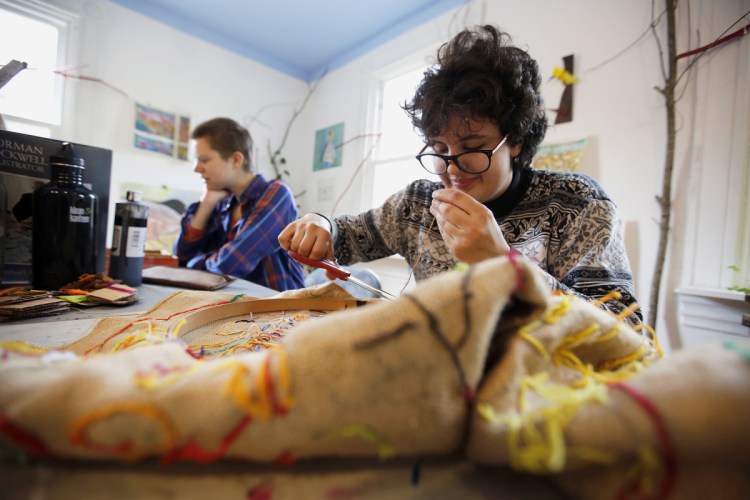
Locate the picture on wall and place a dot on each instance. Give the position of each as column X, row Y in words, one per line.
column 328, row 150
column 161, row 132
column 152, row 144
column 563, row 157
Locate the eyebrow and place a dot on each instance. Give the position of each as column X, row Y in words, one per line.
column 470, row 137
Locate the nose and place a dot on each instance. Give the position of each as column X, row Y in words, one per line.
column 196, row 169
column 452, row 169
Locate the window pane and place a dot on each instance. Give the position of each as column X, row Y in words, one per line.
column 31, row 94
column 399, row 137
column 27, row 128
column 393, row 176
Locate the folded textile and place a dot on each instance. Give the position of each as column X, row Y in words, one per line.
column 484, row 361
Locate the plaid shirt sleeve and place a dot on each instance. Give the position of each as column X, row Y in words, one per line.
column 254, row 252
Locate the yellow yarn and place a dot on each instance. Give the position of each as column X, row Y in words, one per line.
column 21, row 347
column 558, row 310
column 161, row 378
column 653, row 336
column 253, row 395
column 536, row 435
column 175, row 332
column 645, row 470
column 525, row 335
column 138, row 338
column 551, row 316
column 283, row 375
column 79, row 426
column 385, row 450
column 535, row 438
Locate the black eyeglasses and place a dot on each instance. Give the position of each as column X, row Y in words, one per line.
column 471, row 162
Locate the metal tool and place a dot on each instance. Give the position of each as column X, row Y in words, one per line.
column 339, row 272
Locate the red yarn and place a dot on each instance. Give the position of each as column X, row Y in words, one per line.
column 662, row 434
column 196, row 453
column 23, row 438
column 513, row 257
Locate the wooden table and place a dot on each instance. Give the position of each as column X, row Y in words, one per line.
column 72, row 325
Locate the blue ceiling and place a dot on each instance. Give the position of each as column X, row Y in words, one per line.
column 302, row 38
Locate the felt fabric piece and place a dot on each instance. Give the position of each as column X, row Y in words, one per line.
column 702, row 399
column 484, row 362
column 390, row 378
column 547, row 370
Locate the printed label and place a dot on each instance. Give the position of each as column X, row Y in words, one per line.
column 116, row 235
column 82, row 215
column 136, row 244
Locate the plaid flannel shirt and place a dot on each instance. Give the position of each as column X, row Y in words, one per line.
column 249, row 249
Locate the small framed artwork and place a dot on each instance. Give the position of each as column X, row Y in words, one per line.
column 563, row 157
column 328, row 151
column 161, row 132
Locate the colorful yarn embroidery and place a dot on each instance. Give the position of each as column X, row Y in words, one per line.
column 161, row 376
column 258, row 396
column 649, row 465
column 25, row 440
column 78, row 430
column 536, row 439
column 250, row 334
column 194, row 452
column 19, row 347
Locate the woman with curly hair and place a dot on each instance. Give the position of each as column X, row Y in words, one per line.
column 481, row 114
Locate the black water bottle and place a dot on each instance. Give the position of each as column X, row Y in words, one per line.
column 129, row 240
column 63, row 224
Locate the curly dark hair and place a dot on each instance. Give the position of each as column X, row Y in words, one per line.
column 226, row 136
column 478, row 74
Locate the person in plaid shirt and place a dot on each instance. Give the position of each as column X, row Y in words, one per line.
column 234, row 227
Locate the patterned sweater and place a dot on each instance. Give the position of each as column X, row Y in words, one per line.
column 563, row 221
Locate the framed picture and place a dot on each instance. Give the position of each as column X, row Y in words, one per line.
column 328, row 143
column 563, row 157
column 161, row 132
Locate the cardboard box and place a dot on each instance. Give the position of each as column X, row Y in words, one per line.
column 24, row 165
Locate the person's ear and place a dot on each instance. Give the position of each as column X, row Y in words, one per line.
column 238, row 159
column 515, row 150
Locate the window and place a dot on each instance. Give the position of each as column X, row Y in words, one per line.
column 742, row 279
column 31, row 102
column 393, row 164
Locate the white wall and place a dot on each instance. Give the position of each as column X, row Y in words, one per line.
column 159, row 66
column 712, row 180
column 616, row 108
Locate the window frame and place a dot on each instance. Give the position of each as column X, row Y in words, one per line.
column 374, row 106
column 64, row 22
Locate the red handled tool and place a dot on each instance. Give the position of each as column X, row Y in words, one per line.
column 339, row 272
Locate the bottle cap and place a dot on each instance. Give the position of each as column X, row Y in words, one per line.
column 67, row 156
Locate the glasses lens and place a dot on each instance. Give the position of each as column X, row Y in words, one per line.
column 433, row 163
column 474, row 162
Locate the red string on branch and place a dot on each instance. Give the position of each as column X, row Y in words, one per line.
column 740, row 32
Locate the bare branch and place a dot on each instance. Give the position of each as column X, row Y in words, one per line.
column 665, row 199
column 275, row 154
column 652, row 26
